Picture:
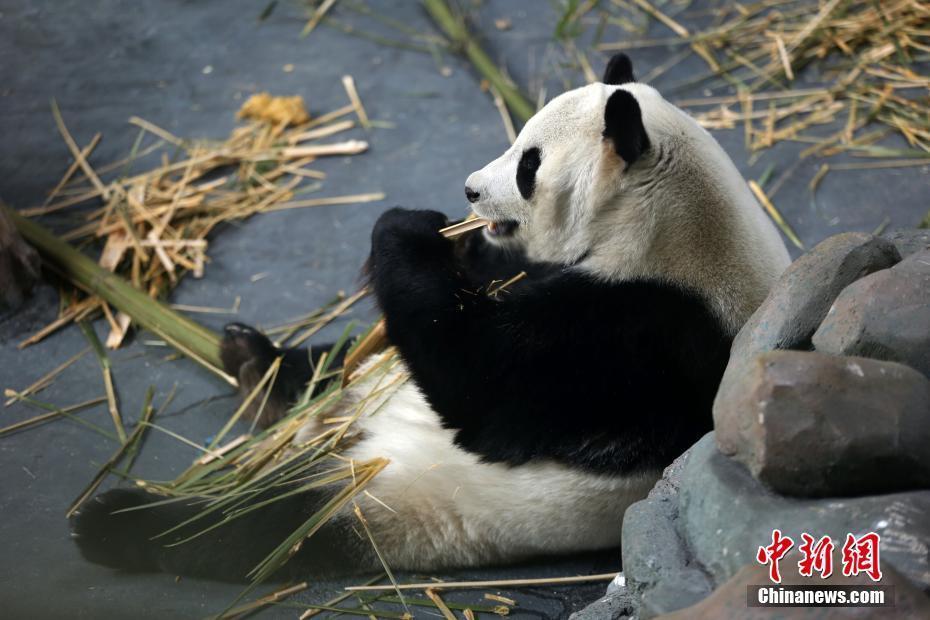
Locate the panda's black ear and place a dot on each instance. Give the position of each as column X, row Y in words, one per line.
column 619, row 70
column 623, row 126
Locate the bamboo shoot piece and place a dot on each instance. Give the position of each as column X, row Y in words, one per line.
column 197, row 342
column 456, row 31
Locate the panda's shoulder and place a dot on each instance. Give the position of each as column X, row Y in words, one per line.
column 641, row 306
column 641, row 292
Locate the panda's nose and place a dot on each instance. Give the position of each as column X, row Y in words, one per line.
column 471, row 194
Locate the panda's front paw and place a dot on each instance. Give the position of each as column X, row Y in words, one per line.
column 407, row 240
column 399, row 224
column 247, row 354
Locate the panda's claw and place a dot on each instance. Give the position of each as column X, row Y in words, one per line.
column 105, row 535
column 247, row 354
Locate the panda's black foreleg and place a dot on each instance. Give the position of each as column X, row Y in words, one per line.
column 247, row 355
column 430, row 305
column 616, row 377
column 119, row 530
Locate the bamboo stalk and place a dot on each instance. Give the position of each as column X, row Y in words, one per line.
column 95, row 483
column 103, row 358
column 332, row 602
column 775, row 214
column 74, row 312
column 47, row 416
column 372, row 343
column 330, row 200
column 505, row 115
column 349, row 84
column 44, row 381
column 349, row 147
column 328, row 317
column 503, row 583
column 195, row 341
column 257, row 604
column 455, row 29
column 440, row 604
column 456, row 230
column 77, row 153
column 317, row 17
column 85, row 153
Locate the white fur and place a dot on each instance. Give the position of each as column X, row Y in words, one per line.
column 697, row 224
column 447, row 508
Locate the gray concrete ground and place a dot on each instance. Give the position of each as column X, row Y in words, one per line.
column 105, row 60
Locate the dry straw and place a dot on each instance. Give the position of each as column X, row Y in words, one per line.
column 868, row 57
column 155, row 224
column 867, row 52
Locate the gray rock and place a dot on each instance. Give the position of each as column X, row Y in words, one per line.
column 729, row 600
column 656, row 564
column 816, row 425
column 802, row 296
column 885, row 315
column 617, row 605
column 796, row 306
column 909, row 240
column 725, row 514
column 618, row 583
column 716, row 515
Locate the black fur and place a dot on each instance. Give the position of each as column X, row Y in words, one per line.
column 623, row 125
column 246, row 354
column 136, row 541
column 619, row 70
column 609, row 377
column 484, row 264
column 20, row 266
column 526, row 171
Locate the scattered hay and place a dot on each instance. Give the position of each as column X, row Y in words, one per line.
column 867, row 53
column 155, row 225
column 278, row 110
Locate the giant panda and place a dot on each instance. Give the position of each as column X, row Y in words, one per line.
column 532, row 418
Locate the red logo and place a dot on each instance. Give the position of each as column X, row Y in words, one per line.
column 817, row 557
column 860, row 555
column 773, row 553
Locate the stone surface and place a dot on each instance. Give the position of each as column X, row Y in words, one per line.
column 616, row 605
column 794, row 309
column 802, row 296
column 618, row 583
column 885, row 315
column 725, row 515
column 909, row 240
column 656, row 565
column 712, row 516
column 816, row 425
column 730, row 599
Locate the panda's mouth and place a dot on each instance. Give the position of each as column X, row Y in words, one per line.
column 502, row 228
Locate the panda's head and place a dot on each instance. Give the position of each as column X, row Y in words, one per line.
column 616, row 182
column 569, row 162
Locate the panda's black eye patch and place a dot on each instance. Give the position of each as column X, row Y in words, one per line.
column 526, row 172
